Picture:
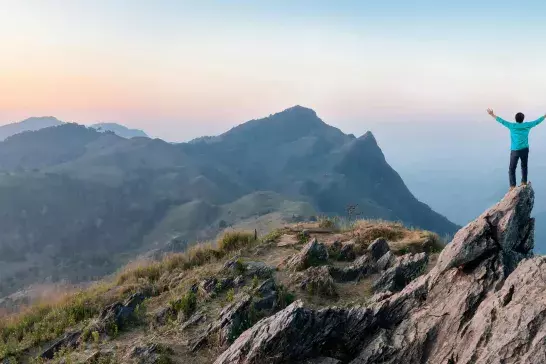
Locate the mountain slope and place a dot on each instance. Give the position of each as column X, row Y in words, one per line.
column 30, row 124
column 295, row 153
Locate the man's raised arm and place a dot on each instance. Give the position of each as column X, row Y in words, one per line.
column 499, row 119
column 537, row 121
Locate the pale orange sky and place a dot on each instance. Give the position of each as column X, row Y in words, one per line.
column 180, row 70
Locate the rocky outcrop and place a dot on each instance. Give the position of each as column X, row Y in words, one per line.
column 386, row 261
column 117, row 315
column 347, row 252
column 241, row 314
column 194, row 319
column 405, row 269
column 150, row 354
column 362, row 267
column 312, row 254
column 238, row 267
column 483, row 302
column 69, row 340
column 317, row 281
column 378, row 248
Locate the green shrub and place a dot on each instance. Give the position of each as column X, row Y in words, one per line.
column 187, row 304
column 96, row 337
column 230, row 295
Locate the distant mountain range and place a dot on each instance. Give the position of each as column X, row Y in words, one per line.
column 77, row 203
column 37, row 123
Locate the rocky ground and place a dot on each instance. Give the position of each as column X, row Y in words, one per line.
column 313, row 293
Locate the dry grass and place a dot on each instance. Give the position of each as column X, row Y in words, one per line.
column 401, row 239
column 43, row 322
column 171, row 277
column 195, row 256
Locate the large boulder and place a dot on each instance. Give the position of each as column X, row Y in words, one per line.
column 484, row 302
column 312, row 254
column 404, row 270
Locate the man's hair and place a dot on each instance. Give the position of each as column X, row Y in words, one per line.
column 520, row 117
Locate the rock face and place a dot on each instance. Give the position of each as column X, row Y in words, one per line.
column 484, row 302
column 404, row 270
column 314, row 253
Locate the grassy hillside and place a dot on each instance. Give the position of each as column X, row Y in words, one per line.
column 168, row 287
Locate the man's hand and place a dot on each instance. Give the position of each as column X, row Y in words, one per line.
column 490, row 112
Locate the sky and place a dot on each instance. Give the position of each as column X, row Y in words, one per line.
column 182, row 69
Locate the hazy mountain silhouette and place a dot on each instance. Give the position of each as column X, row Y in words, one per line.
column 30, row 124
column 77, row 203
column 120, row 130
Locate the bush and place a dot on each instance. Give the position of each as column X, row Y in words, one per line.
column 187, row 304
column 235, row 240
column 230, row 295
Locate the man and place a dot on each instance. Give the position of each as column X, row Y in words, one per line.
column 519, row 136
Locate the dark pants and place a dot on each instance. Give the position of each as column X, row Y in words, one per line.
column 515, row 155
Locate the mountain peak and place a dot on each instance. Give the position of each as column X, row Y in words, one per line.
column 368, row 136
column 299, row 109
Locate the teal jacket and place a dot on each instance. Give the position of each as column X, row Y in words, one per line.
column 519, row 132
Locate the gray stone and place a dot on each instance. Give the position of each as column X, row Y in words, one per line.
column 149, row 354
column 239, row 281
column 347, row 252
column 363, row 267
column 316, row 281
column 164, row 315
column 378, row 248
column 386, row 261
column 404, row 270
column 194, row 319
column 312, row 254
column 239, row 267
column 69, row 340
